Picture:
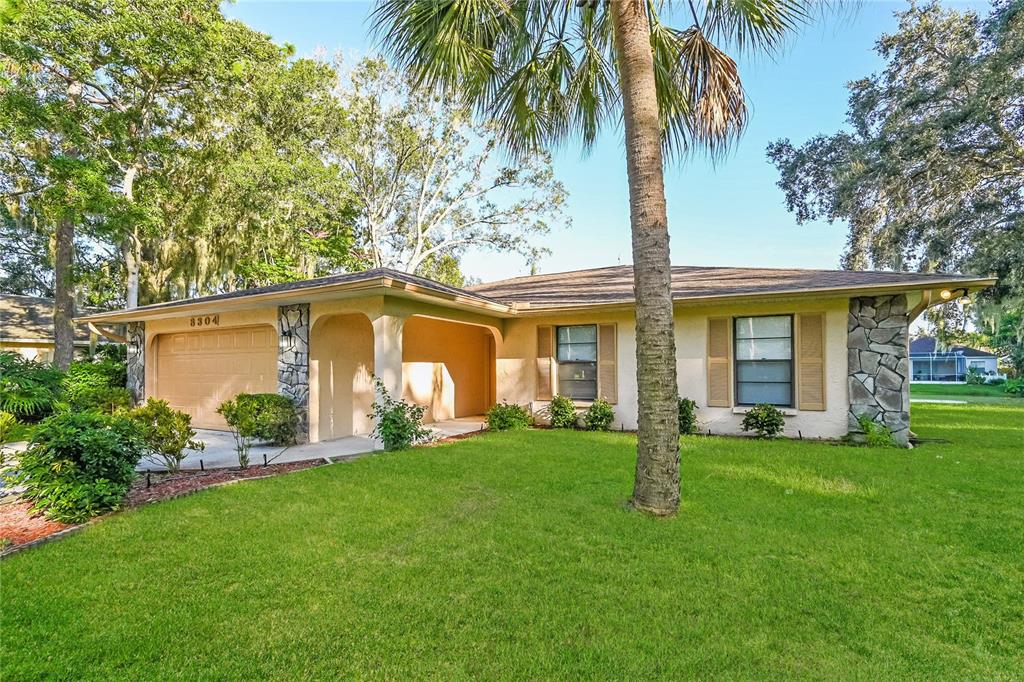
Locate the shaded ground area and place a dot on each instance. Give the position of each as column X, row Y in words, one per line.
column 513, row 556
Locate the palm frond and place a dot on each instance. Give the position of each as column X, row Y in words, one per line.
column 760, row 25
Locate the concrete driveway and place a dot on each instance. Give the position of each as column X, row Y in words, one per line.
column 220, row 447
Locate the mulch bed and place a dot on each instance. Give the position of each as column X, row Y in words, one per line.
column 21, row 526
column 164, row 486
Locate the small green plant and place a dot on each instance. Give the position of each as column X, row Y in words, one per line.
column 79, row 464
column 766, row 419
column 687, row 417
column 562, row 413
column 876, row 435
column 166, row 433
column 107, row 399
column 28, row 389
column 88, row 378
column 1014, row 387
column 397, row 424
column 253, row 417
column 599, row 416
column 5, row 543
column 975, row 377
column 8, row 423
column 506, row 416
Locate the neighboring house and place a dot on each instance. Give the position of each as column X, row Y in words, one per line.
column 26, row 327
column 825, row 346
column 932, row 364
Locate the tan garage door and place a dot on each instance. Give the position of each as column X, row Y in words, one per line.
column 197, row 371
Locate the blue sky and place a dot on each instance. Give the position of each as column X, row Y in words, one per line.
column 729, row 213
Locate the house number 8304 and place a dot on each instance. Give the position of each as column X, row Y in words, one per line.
column 205, row 321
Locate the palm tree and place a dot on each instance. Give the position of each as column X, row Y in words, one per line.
column 548, row 70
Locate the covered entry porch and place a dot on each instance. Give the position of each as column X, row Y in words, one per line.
column 445, row 365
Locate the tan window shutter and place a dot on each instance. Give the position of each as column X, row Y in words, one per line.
column 607, row 377
column 545, row 361
column 811, row 361
column 719, row 362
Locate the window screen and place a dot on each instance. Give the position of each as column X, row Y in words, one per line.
column 577, row 361
column 764, row 360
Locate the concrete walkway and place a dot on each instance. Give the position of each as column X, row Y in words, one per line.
column 220, row 447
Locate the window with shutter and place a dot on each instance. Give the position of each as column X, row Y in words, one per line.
column 607, row 377
column 545, row 359
column 811, row 361
column 719, row 362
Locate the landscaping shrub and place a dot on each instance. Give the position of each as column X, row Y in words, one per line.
column 687, row 417
column 107, row 399
column 28, row 388
column 79, row 464
column 506, row 417
column 165, row 433
column 92, row 376
column 8, row 422
column 397, row 423
column 599, row 416
column 975, row 377
column 996, row 381
column 1014, row 387
column 875, row 434
column 766, row 419
column 562, row 412
column 259, row 417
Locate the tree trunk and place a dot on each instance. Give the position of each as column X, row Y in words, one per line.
column 130, row 252
column 656, row 488
column 131, row 249
column 63, row 299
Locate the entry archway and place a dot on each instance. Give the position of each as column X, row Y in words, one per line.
column 341, row 376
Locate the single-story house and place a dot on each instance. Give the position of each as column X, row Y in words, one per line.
column 930, row 363
column 26, row 328
column 825, row 346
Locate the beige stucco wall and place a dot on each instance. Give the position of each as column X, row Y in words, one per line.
column 446, row 368
column 340, row 370
column 459, row 369
column 41, row 351
column 691, row 352
column 516, row 358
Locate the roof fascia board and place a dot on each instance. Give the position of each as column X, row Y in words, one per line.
column 385, row 286
column 794, row 294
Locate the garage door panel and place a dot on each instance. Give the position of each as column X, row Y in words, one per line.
column 197, row 371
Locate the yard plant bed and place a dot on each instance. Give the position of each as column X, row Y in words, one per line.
column 20, row 526
column 513, row 555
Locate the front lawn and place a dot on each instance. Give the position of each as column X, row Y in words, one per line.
column 512, row 556
column 972, row 393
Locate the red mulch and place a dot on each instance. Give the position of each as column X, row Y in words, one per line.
column 172, row 485
column 19, row 525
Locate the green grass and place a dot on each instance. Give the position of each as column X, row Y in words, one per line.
column 513, row 556
column 981, row 394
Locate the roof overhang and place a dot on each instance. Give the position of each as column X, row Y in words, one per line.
column 389, row 286
column 934, row 288
column 376, row 286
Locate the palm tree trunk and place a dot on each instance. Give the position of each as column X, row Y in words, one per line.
column 656, row 488
column 63, row 294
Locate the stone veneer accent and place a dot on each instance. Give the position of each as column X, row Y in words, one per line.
column 135, row 335
column 879, row 367
column 293, row 360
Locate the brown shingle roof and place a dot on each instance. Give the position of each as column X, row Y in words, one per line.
column 614, row 285
column 24, row 318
